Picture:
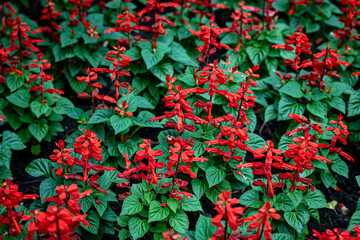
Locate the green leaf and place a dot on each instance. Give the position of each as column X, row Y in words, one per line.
column 138, row 228
column 173, row 204
column 281, row 236
column 204, row 229
column 328, row 179
column 86, row 203
column 94, row 221
column 47, row 189
column 15, row 81
column 257, row 54
column 215, row 175
column 20, row 98
column 63, row 105
column 143, row 103
column 129, row 147
column 123, row 233
column 101, row 115
column 97, row 57
column 67, row 39
column 317, row 108
column 289, row 105
column 100, row 208
column 157, row 212
column 199, row 187
column 5, row 172
column 142, row 120
column 179, row 54
column 354, row 105
column 151, row 58
column 355, row 219
column 39, row 167
column 270, row 113
column 284, row 203
column 161, row 70
column 297, row 219
column 251, row 199
column 315, row 199
column 123, row 221
column 358, row 180
column 131, row 205
column 39, row 108
column 120, row 124
column 74, row 113
column 5, row 155
column 191, row 204
column 340, row 167
column 180, row 222
column 39, row 130
column 12, row 140
column 109, row 214
column 293, row 89
column 339, row 104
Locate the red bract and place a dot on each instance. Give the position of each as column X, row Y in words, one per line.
column 122, row 109
column 340, row 135
column 169, row 235
column 78, row 14
column 147, row 154
column 209, row 36
column 206, row 5
column 59, row 221
column 242, row 18
column 302, row 45
column 297, row 3
column 180, row 150
column 49, row 14
column 176, row 99
column 260, row 221
column 10, row 198
column 334, row 234
column 267, row 14
column 42, row 65
column 89, row 146
column 157, row 21
column 226, row 211
column 330, row 60
column 118, row 60
column 127, row 23
column 94, row 88
column 62, row 157
column 348, row 7
column 265, row 168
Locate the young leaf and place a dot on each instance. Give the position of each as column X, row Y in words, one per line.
column 215, row 175
column 157, row 212
column 180, row 222
column 39, row 130
column 131, row 205
column 293, row 89
column 315, row 199
column 138, row 228
column 39, row 167
column 297, row 219
column 12, row 140
column 120, row 124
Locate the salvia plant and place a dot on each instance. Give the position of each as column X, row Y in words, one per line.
column 182, row 119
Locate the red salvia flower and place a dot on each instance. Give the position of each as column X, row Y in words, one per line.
column 261, row 220
column 209, row 36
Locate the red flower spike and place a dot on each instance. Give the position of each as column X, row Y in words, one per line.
column 209, row 36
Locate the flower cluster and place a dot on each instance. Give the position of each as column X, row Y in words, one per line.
column 209, row 36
